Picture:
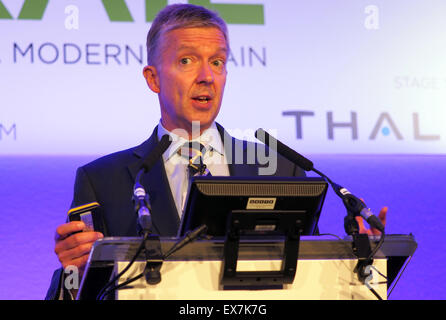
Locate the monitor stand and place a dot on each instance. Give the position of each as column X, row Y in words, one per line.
column 261, row 225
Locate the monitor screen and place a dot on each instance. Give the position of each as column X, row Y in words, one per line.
column 211, row 200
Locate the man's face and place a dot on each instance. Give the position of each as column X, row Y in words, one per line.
column 189, row 77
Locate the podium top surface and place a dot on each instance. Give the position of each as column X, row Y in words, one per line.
column 397, row 249
column 311, row 247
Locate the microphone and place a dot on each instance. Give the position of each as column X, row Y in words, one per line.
column 144, row 225
column 140, row 197
column 284, row 150
column 156, row 153
column 353, row 204
column 143, row 208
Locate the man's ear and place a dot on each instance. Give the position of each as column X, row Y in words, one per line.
column 151, row 75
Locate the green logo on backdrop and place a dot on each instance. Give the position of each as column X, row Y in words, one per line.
column 31, row 10
column 117, row 10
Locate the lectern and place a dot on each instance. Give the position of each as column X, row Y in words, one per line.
column 258, row 245
column 325, row 269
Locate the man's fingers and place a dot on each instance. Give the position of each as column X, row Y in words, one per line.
column 76, row 252
column 79, row 263
column 362, row 228
column 65, row 230
column 383, row 215
column 75, row 249
column 72, row 246
column 75, row 240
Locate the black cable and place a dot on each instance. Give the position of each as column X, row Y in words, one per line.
column 111, row 286
column 380, row 273
column 100, row 295
column 375, row 293
column 190, row 236
column 377, row 247
column 372, row 254
column 119, row 286
column 332, row 235
column 370, row 258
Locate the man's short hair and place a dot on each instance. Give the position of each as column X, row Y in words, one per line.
column 178, row 16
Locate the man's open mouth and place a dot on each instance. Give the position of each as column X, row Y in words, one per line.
column 202, row 99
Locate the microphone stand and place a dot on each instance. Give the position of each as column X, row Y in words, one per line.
column 360, row 245
column 360, row 242
column 151, row 242
column 355, row 207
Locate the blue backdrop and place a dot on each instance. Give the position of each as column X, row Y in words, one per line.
column 35, row 192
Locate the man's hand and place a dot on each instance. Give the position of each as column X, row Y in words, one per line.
column 73, row 247
column 372, row 232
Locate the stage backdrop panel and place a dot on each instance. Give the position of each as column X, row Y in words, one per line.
column 325, row 76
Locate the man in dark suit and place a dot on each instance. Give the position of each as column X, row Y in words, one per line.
column 187, row 49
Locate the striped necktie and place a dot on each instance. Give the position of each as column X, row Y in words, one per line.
column 194, row 152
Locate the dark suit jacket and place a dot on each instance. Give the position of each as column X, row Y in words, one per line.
column 109, row 181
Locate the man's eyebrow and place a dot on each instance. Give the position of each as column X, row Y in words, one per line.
column 223, row 49
column 186, row 47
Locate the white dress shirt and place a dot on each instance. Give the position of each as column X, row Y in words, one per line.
column 177, row 166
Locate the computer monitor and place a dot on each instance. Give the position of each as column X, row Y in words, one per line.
column 211, row 200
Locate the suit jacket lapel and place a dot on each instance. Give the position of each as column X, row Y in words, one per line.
column 164, row 212
column 233, row 146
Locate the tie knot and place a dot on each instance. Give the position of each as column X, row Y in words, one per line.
column 194, row 151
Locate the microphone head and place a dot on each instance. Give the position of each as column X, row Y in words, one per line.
column 165, row 142
column 283, row 150
column 156, row 153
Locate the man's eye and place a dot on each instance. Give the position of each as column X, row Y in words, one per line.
column 218, row 63
column 185, row 60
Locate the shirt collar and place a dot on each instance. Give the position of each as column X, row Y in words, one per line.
column 210, row 138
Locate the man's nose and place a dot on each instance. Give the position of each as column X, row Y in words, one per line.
column 205, row 74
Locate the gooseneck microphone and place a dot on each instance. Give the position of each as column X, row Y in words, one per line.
column 140, row 197
column 353, row 204
column 156, row 153
column 142, row 207
column 284, row 150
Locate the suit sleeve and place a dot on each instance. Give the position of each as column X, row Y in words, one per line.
column 83, row 189
column 83, row 193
